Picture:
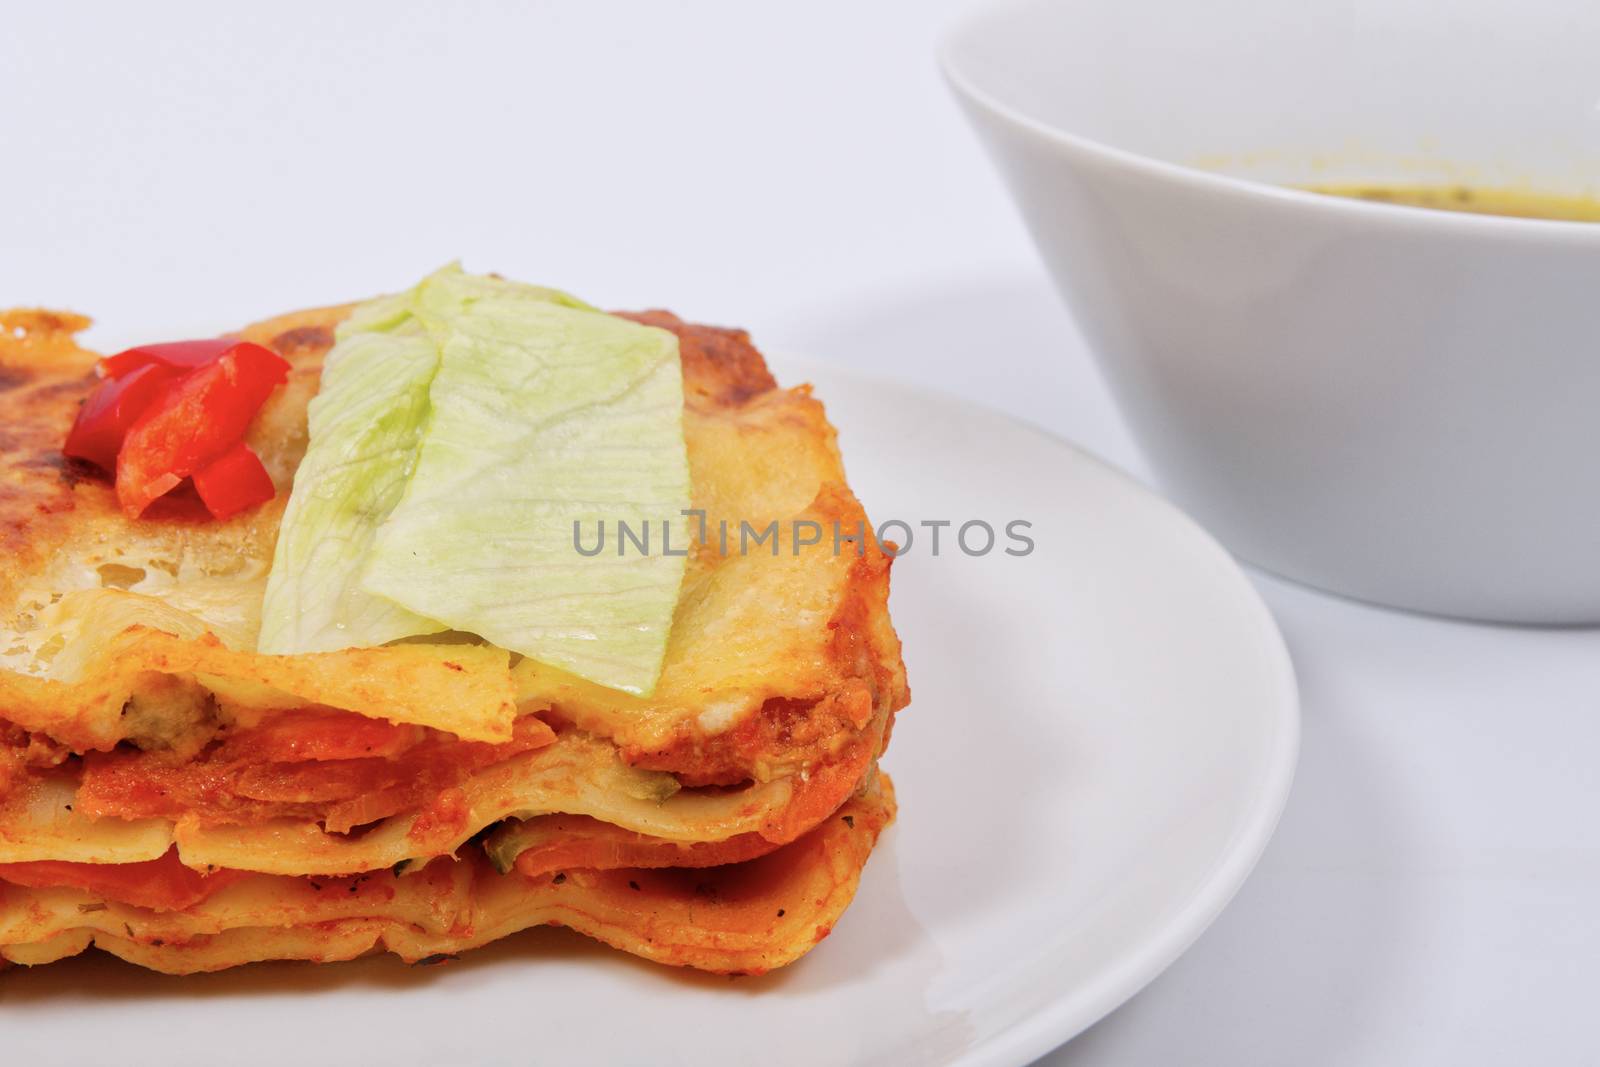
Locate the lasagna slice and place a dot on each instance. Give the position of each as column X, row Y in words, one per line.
column 175, row 798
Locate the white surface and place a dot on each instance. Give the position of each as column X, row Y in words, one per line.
column 1392, row 404
column 1103, row 738
column 1429, row 896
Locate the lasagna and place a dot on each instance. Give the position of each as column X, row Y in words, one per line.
column 174, row 797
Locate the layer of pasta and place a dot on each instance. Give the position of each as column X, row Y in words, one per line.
column 744, row 918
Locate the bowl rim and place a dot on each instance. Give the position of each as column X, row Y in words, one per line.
column 980, row 13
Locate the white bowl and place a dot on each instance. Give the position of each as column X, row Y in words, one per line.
column 1396, row 404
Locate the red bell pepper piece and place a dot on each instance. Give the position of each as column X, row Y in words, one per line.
column 198, row 420
column 111, row 410
column 175, row 355
column 233, row 483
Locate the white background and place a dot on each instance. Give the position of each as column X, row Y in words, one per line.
column 1431, row 896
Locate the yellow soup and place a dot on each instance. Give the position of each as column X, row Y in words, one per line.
column 1517, row 203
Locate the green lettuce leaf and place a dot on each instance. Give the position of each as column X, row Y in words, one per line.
column 366, row 428
column 543, row 414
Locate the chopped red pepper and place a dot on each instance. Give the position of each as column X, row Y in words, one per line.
column 175, row 355
column 111, row 410
column 200, row 418
column 233, row 483
column 168, row 412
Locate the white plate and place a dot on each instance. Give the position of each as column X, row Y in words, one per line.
column 1102, row 735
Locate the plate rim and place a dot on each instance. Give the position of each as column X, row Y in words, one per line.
column 1047, row 1029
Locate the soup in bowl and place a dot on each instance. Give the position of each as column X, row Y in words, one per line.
column 1391, row 402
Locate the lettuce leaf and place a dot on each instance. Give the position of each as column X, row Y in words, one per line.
column 366, row 428
column 543, row 414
